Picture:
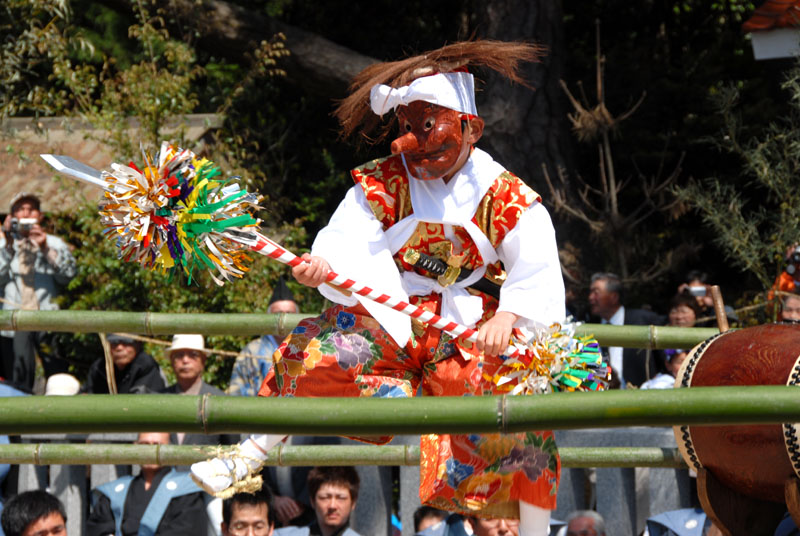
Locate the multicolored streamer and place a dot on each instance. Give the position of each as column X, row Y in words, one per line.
column 173, row 213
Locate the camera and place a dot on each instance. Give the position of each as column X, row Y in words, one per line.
column 22, row 226
column 698, row 291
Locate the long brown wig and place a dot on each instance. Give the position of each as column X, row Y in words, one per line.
column 354, row 113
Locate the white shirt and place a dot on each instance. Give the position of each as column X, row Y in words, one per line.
column 615, row 352
column 356, row 246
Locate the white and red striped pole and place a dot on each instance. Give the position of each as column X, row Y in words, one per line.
column 267, row 247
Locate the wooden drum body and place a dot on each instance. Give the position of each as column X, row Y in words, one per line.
column 754, row 460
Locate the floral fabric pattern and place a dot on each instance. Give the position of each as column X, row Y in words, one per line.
column 345, row 352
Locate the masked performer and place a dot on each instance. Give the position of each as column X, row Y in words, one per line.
column 437, row 204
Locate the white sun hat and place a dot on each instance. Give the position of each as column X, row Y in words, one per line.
column 187, row 341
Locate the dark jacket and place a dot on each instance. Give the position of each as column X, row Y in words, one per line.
column 142, row 375
column 637, row 368
column 202, row 439
column 184, row 516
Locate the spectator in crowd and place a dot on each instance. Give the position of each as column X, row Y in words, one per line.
column 585, row 523
column 790, row 308
column 34, row 266
column 494, row 526
column 248, row 514
column 252, row 366
column 158, row 501
column 187, row 354
column 456, row 525
column 428, row 516
column 683, row 311
column 673, row 359
column 605, row 301
column 34, row 513
column 696, row 283
column 135, row 371
column 334, row 492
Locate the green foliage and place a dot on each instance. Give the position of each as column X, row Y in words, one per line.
column 754, row 220
column 107, row 283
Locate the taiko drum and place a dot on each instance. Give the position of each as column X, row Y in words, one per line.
column 754, row 460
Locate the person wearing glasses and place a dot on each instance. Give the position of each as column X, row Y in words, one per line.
column 135, row 371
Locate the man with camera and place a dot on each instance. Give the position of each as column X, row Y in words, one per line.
column 34, row 266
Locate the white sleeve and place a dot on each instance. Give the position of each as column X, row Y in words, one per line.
column 356, row 247
column 534, row 288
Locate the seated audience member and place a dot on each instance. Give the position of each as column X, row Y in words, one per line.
column 333, row 492
column 605, row 301
column 248, row 514
column 135, row 371
column 584, row 523
column 250, row 368
column 790, row 309
column 428, row 516
column 456, row 525
column 684, row 521
column 34, row 513
column 187, row 354
column 159, row 501
column 673, row 359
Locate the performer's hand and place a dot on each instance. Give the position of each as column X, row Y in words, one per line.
column 495, row 334
column 313, row 272
column 286, row 508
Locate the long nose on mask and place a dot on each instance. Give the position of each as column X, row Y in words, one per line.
column 407, row 143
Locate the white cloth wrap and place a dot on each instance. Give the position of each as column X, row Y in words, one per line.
column 356, row 246
column 451, row 90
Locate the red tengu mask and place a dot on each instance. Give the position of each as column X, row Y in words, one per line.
column 432, row 140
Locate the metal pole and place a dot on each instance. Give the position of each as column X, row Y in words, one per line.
column 376, row 416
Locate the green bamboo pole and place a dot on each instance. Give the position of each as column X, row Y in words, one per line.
column 377, row 416
column 281, row 324
column 150, row 323
column 407, row 455
column 652, row 337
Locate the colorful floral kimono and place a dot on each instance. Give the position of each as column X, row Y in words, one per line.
column 484, row 220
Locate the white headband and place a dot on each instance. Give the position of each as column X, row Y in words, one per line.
column 451, row 90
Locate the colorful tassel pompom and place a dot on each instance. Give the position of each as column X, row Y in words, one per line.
column 552, row 359
column 178, row 213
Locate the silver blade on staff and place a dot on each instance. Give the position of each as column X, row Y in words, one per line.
column 79, row 170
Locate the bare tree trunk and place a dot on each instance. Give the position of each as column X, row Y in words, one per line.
column 526, row 129
column 233, row 32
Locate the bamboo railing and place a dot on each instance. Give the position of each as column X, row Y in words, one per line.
column 364, row 416
column 282, row 455
column 280, row 324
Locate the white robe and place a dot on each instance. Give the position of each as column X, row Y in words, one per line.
column 356, row 246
